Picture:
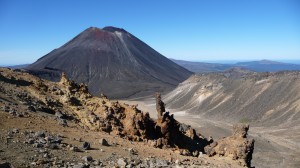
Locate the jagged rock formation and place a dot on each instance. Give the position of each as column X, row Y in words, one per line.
column 171, row 133
column 160, row 106
column 69, row 101
column 105, row 115
column 237, row 146
column 111, row 61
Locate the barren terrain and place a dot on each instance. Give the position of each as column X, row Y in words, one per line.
column 59, row 124
column 275, row 146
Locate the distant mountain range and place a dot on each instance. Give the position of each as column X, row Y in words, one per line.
column 17, row 66
column 111, row 61
column 257, row 66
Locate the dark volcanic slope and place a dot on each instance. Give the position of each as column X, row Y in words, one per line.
column 112, row 61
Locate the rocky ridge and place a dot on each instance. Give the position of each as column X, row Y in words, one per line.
column 71, row 105
column 237, row 95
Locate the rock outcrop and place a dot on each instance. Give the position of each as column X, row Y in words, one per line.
column 67, row 102
column 171, row 133
column 238, row 146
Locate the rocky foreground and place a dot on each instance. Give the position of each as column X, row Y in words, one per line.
column 49, row 124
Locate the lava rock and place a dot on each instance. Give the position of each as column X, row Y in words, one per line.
column 62, row 122
column 122, row 162
column 74, row 149
column 6, row 165
column 80, row 165
column 86, row 146
column 53, row 146
column 30, row 141
column 87, row 158
column 15, row 130
column 103, row 142
column 31, row 108
column 39, row 134
column 38, row 145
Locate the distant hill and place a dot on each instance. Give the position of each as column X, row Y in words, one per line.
column 111, row 61
column 237, row 95
column 257, row 66
column 200, row 67
column 17, row 66
column 267, row 66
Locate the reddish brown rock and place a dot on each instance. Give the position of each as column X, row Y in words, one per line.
column 238, row 146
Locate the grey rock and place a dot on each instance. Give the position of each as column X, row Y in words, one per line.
column 74, row 149
column 53, row 146
column 103, row 142
column 39, row 134
column 38, row 145
column 97, row 162
column 31, row 108
column 130, row 166
column 132, row 151
column 49, row 138
column 41, row 140
column 6, row 108
column 58, row 114
column 19, row 114
column 87, row 158
column 86, row 146
column 30, row 141
column 62, row 122
column 46, row 155
column 56, row 140
column 80, row 165
column 122, row 162
column 6, row 165
column 15, row 130
column 184, row 127
column 161, row 163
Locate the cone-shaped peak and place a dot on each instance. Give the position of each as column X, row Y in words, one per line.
column 111, row 61
column 114, row 29
column 93, row 29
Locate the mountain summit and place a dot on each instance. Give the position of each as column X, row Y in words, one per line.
column 111, row 61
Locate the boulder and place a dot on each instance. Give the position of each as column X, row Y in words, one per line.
column 87, row 158
column 122, row 162
column 39, row 134
column 86, row 146
column 103, row 142
column 237, row 147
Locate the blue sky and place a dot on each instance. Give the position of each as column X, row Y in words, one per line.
column 188, row 30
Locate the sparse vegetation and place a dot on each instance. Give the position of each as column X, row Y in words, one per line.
column 245, row 120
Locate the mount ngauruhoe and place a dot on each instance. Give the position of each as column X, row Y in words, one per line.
column 111, row 61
